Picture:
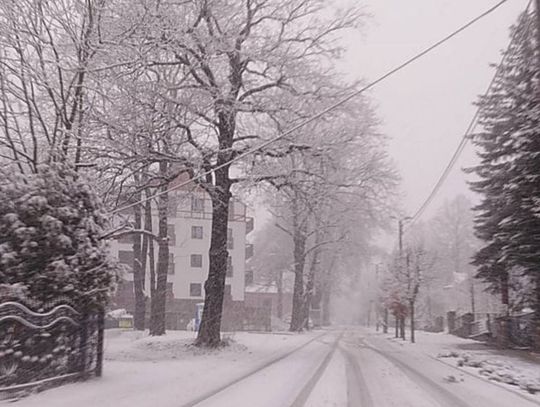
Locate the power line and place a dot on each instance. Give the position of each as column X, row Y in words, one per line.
column 325, row 111
column 464, row 140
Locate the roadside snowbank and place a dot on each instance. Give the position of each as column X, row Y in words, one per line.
column 498, row 370
column 138, row 346
column 517, row 369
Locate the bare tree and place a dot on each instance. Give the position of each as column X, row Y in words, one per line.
column 242, row 62
column 48, row 50
column 326, row 193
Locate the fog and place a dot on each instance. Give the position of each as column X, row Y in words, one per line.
column 222, row 203
column 427, row 107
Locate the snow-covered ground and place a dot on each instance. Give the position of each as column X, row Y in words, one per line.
column 142, row 371
column 331, row 389
column 334, row 368
column 514, row 370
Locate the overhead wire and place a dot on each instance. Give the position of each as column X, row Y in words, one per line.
column 316, row 116
column 464, row 139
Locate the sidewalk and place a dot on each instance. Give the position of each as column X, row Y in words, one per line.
column 516, row 370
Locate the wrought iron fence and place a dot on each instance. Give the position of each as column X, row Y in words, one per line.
column 45, row 346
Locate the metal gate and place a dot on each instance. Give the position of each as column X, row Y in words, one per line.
column 45, row 346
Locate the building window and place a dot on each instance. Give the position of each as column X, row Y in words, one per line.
column 196, row 232
column 229, row 267
column 230, row 240
column 171, row 234
column 170, row 269
column 196, row 260
column 195, row 289
column 249, row 277
column 197, row 204
column 125, row 257
column 249, row 251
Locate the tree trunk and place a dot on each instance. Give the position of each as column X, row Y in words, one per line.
column 536, row 321
column 397, row 325
column 504, row 332
column 138, row 278
column 536, row 306
column 310, row 285
column 151, row 253
column 279, row 284
column 327, row 292
column 308, row 296
column 402, row 327
column 145, row 243
column 326, row 304
column 471, row 289
column 385, row 326
column 299, row 243
column 411, row 310
column 210, row 328
column 157, row 321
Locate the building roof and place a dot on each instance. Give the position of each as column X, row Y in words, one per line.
column 261, row 288
column 270, row 288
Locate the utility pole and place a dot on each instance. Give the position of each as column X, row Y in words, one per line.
column 400, row 232
column 401, row 324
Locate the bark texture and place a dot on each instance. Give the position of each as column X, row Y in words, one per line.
column 157, row 320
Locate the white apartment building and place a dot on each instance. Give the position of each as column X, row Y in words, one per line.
column 190, row 216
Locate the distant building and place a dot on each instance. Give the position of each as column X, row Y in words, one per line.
column 190, row 218
column 267, row 296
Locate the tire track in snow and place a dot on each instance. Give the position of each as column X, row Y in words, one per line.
column 444, row 396
column 301, row 399
column 252, row 372
column 357, row 390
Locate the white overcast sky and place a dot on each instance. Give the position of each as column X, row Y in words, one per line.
column 426, row 107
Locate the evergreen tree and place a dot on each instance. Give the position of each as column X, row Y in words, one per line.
column 508, row 218
column 499, row 120
column 521, row 229
column 50, row 238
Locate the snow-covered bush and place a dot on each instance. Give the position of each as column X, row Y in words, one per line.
column 50, row 245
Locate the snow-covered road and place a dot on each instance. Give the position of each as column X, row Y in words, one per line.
column 288, row 382
column 336, row 368
column 382, row 374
